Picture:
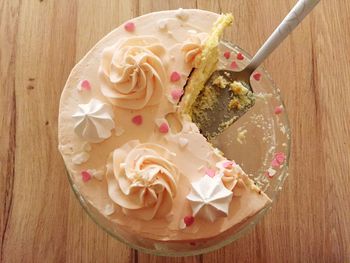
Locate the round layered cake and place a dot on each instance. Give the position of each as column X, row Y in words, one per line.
column 129, row 148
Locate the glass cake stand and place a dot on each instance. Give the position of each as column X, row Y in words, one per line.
column 259, row 141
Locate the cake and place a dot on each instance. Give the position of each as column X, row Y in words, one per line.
column 129, row 144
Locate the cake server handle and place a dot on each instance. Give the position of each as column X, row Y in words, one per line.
column 301, row 9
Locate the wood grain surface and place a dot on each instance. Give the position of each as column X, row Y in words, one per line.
column 40, row 218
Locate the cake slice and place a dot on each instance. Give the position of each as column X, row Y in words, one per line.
column 205, row 63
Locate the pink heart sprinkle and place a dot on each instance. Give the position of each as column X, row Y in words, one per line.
column 164, row 128
column 280, row 157
column 85, row 84
column 137, row 120
column 275, row 164
column 228, row 164
column 175, row 76
column 210, row 172
column 234, row 65
column 257, row 76
column 176, row 94
column 188, row 220
column 129, row 26
column 86, row 176
column 278, row 110
column 267, row 174
column 227, row 54
column 240, row 56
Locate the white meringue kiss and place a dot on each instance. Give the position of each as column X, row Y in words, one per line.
column 94, row 121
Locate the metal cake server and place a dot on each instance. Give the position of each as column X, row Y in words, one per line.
column 220, row 114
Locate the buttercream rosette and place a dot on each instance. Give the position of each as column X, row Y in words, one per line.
column 132, row 72
column 192, row 48
column 142, row 180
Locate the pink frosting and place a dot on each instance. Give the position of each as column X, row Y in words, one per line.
column 142, row 180
column 132, row 72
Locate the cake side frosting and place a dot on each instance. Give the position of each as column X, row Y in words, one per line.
column 148, row 165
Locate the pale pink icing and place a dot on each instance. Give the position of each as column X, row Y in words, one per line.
column 142, row 180
column 133, row 71
column 193, row 47
column 192, row 152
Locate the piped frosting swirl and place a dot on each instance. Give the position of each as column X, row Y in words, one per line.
column 193, row 47
column 132, row 72
column 142, row 180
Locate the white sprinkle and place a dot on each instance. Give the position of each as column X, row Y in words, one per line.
column 271, row 171
column 241, row 136
column 181, row 14
column 283, row 129
column 162, row 24
column 66, row 149
column 159, row 121
column 80, row 158
column 192, row 31
column 98, row 174
column 183, row 142
column 109, row 209
column 217, row 152
column 118, row 131
column 122, row 165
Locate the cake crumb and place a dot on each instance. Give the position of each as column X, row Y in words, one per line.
column 220, row 82
column 241, row 135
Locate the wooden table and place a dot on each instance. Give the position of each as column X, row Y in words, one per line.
column 40, row 218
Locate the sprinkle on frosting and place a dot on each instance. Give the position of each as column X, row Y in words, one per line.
column 270, row 172
column 233, row 65
column 228, row 164
column 210, row 172
column 257, row 76
column 278, row 109
column 137, row 120
column 278, row 159
column 97, row 174
column 209, row 198
column 176, row 94
column 240, row 56
column 164, row 128
column 183, row 142
column 129, row 26
column 66, row 149
column 175, row 76
column 86, row 176
column 118, row 131
column 84, row 85
column 188, row 220
column 162, row 24
column 181, row 14
column 227, row 54
column 80, row 158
